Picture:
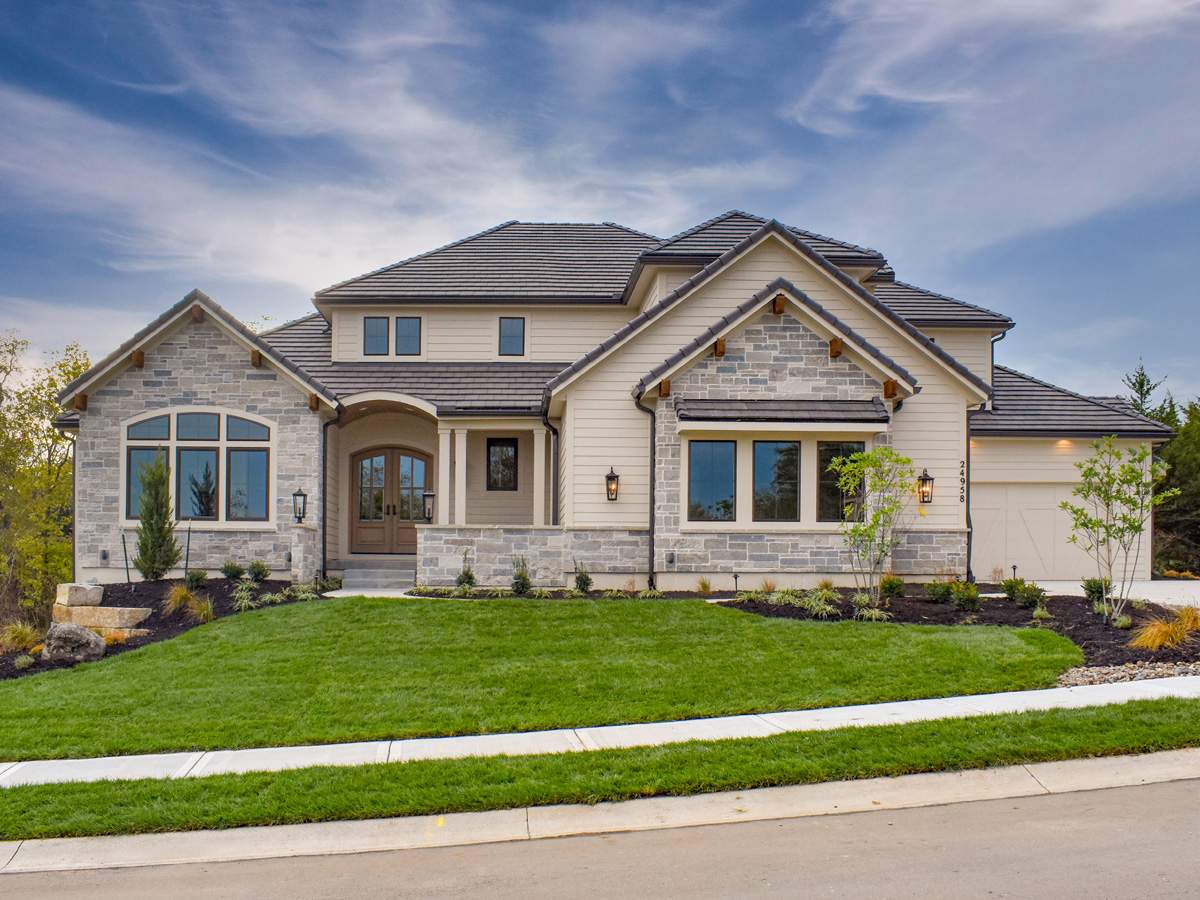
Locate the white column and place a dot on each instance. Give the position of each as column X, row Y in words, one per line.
column 460, row 477
column 539, row 477
column 443, row 483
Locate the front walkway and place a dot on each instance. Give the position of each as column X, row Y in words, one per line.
column 603, row 737
column 1171, row 593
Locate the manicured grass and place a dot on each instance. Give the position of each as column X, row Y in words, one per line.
column 322, row 794
column 358, row 669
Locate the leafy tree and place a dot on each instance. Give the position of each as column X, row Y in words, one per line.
column 157, row 549
column 36, row 463
column 881, row 484
column 1118, row 493
column 1177, row 523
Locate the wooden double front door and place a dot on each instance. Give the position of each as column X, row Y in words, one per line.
column 387, row 499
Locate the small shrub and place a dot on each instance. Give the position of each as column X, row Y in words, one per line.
column 329, row 583
column 521, row 583
column 157, row 549
column 498, row 593
column 650, row 594
column 243, row 598
column 703, row 587
column 891, row 587
column 23, row 662
column 575, row 594
column 583, row 581
column 179, row 597
column 754, row 596
column 872, row 614
column 861, row 600
column 1096, row 589
column 787, row 595
column 1031, row 595
column 825, row 584
column 195, row 579
column 1189, row 618
column 1012, row 588
column 462, row 591
column 272, row 599
column 1139, row 605
column 1041, row 614
column 232, row 570
column 200, row 610
column 466, row 576
column 1160, row 634
column 258, row 571
column 19, row 636
column 817, row 603
column 301, row 593
column 964, row 595
column 1098, row 608
column 940, row 591
column 767, row 586
column 615, row 594
column 541, row 594
column 1123, row 622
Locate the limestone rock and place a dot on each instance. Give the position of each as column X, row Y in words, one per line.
column 74, row 594
column 72, row 643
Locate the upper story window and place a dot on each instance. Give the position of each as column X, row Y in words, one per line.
column 712, row 481
column 502, row 464
column 831, row 502
column 776, row 481
column 408, row 335
column 375, row 336
column 512, row 335
column 218, row 463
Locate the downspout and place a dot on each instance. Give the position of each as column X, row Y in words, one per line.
column 637, row 401
column 970, row 524
column 74, row 510
column 325, row 492
column 553, row 464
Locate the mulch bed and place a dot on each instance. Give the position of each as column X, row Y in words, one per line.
column 151, row 594
column 1102, row 644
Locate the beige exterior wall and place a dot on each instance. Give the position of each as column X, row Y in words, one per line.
column 1030, row 460
column 486, row 507
column 471, row 333
column 606, row 429
column 970, row 346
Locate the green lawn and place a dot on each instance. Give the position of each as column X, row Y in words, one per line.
column 358, row 669
column 321, row 794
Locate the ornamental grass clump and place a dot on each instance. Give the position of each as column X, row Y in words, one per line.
column 1161, row 634
column 200, row 610
column 19, row 636
column 244, row 597
column 819, row 603
column 703, row 587
column 179, row 597
column 650, row 594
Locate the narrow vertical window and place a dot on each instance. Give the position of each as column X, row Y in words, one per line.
column 831, row 502
column 375, row 336
column 712, row 481
column 512, row 336
column 776, row 481
column 247, row 477
column 502, row 464
column 408, row 335
column 196, row 483
column 137, row 460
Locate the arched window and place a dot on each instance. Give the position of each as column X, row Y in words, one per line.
column 220, row 464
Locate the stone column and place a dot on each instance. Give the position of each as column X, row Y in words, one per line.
column 460, row 477
column 539, row 477
column 442, row 510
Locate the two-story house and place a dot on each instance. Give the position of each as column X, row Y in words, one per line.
column 587, row 395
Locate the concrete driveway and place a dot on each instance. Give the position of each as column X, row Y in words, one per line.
column 1170, row 593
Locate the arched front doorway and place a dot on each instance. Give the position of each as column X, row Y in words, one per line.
column 387, row 499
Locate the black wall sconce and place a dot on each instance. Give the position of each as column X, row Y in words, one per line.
column 925, row 487
column 299, row 504
column 612, row 484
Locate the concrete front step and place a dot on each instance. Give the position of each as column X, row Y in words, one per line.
column 378, row 579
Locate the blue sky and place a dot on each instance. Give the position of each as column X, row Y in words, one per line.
column 1042, row 159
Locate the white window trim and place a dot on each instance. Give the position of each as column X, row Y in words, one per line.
column 743, row 521
column 222, row 445
column 498, row 357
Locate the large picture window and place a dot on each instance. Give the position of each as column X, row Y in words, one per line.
column 219, row 464
column 776, row 481
column 501, row 464
column 831, row 502
column 712, row 481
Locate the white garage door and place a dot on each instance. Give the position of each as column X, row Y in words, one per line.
column 1021, row 524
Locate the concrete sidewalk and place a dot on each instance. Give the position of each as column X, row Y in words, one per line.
column 566, row 740
column 536, row 822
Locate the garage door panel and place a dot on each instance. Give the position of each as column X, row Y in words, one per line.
column 1021, row 524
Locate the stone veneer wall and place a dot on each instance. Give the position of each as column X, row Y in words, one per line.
column 776, row 357
column 199, row 365
column 611, row 555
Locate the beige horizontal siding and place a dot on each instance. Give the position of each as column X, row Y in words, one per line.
column 970, row 346
column 1021, row 460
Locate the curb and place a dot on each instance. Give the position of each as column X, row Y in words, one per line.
column 540, row 822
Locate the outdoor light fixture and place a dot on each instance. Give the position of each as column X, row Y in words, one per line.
column 428, row 497
column 612, row 484
column 299, row 504
column 925, row 487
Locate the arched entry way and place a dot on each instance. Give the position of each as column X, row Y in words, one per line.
column 387, row 499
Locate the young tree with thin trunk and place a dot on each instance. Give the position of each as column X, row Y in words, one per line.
column 157, row 549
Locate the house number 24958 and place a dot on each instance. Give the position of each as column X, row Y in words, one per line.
column 962, row 481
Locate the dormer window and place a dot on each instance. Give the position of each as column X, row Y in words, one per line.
column 512, row 335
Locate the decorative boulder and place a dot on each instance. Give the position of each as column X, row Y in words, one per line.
column 75, row 594
column 71, row 643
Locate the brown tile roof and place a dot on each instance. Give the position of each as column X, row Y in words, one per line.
column 1023, row 406
column 781, row 410
column 928, row 309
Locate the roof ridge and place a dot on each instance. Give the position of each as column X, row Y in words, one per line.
column 409, row 259
column 289, row 323
column 833, row 240
column 632, row 230
column 1133, row 414
column 763, row 220
column 690, row 231
column 917, row 287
